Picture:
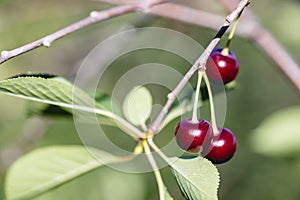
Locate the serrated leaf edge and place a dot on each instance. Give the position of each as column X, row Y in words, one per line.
column 173, row 171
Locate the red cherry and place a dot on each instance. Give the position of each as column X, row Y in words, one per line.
column 222, row 66
column 222, row 148
column 192, row 136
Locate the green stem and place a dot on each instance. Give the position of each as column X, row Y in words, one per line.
column 156, row 172
column 195, row 108
column 225, row 51
column 212, row 106
column 144, row 126
column 157, row 150
column 128, row 128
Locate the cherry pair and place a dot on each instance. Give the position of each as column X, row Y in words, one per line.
column 199, row 137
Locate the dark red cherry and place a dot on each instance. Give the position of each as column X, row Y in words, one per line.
column 221, row 66
column 192, row 136
column 222, row 148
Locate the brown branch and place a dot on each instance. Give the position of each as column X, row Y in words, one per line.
column 94, row 17
column 199, row 17
column 279, row 56
column 189, row 15
column 198, row 65
column 249, row 27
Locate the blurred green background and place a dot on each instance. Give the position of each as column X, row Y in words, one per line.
column 261, row 91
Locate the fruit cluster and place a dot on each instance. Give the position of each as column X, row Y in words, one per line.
column 198, row 136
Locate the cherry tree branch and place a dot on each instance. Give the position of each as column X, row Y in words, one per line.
column 94, row 17
column 180, row 13
column 198, row 65
column 279, row 56
column 249, row 27
column 271, row 47
column 187, row 15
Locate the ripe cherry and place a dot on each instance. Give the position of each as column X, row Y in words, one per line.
column 193, row 137
column 222, row 66
column 222, row 148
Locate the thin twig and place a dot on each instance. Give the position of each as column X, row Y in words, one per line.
column 188, row 15
column 200, row 63
column 94, row 17
column 280, row 57
column 249, row 27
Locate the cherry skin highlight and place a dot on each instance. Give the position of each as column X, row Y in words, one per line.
column 222, row 67
column 193, row 137
column 222, row 148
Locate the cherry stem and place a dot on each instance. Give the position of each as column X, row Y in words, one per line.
column 212, row 107
column 144, row 126
column 225, row 51
column 195, row 108
column 199, row 63
column 157, row 150
column 156, row 172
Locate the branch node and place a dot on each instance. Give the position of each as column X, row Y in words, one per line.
column 171, row 95
column 5, row 54
column 202, row 67
column 145, row 6
column 94, row 14
column 227, row 20
column 47, row 43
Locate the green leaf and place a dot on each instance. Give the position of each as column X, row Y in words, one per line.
column 44, row 90
column 167, row 194
column 101, row 184
column 36, row 108
column 42, row 109
column 56, row 91
column 138, row 105
column 47, row 168
column 198, row 178
column 279, row 134
column 105, row 100
column 59, row 92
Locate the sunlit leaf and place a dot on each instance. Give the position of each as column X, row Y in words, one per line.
column 138, row 105
column 167, row 195
column 55, row 91
column 101, row 184
column 279, row 134
column 47, row 168
column 198, row 178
